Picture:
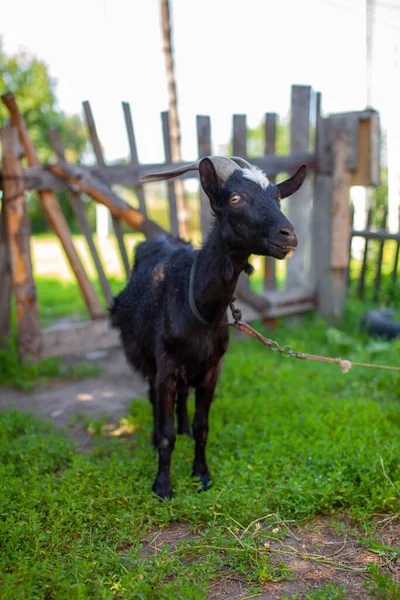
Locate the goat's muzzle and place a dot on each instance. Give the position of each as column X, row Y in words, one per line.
column 283, row 243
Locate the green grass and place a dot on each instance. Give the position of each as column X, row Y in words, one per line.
column 288, row 440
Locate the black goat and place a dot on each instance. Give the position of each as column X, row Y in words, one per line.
column 172, row 313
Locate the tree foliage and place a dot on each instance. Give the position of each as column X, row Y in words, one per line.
column 28, row 79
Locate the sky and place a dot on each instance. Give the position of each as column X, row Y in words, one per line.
column 231, row 57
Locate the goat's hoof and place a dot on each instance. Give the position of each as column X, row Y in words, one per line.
column 204, row 478
column 161, row 490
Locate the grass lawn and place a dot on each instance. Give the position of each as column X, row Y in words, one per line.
column 289, row 440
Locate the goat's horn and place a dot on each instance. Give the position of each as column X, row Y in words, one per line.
column 243, row 164
column 224, row 168
column 171, row 173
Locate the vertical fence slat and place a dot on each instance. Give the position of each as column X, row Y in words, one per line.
column 269, row 282
column 18, row 226
column 203, row 126
column 396, row 257
column 350, row 240
column 378, row 275
column 100, row 160
column 133, row 151
column 79, row 211
column 299, row 208
column 361, row 281
column 239, row 145
column 173, row 210
column 5, row 277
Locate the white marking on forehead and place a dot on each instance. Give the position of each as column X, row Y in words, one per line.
column 255, row 174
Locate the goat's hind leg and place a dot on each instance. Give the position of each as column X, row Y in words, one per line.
column 153, row 401
column 164, row 434
column 181, row 409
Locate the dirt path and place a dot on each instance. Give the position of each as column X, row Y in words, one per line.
column 109, row 392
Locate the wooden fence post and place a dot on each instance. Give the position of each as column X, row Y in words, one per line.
column 5, row 278
column 331, row 230
column 300, row 204
column 18, row 225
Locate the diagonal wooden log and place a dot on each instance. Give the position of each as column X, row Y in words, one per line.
column 18, row 234
column 80, row 180
column 53, row 212
column 79, row 211
column 98, row 152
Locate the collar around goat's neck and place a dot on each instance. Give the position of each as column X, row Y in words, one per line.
column 192, row 303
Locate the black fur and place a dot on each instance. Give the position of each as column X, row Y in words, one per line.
column 163, row 339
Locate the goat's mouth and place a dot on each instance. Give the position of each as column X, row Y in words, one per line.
column 280, row 252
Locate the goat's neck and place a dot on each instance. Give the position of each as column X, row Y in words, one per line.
column 216, row 273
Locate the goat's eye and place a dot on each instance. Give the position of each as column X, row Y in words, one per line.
column 235, row 198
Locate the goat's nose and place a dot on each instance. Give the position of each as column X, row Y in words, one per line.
column 285, row 231
column 289, row 234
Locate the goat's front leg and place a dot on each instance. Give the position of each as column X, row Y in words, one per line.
column 181, row 409
column 164, row 434
column 204, row 396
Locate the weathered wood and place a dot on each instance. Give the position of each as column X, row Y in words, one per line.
column 378, row 275
column 53, row 213
column 299, row 206
column 239, row 144
column 320, row 276
column 18, row 227
column 269, row 280
column 38, row 178
column 79, row 211
column 134, row 155
column 173, row 209
column 80, row 180
column 361, row 281
column 341, row 213
column 203, row 126
column 5, row 279
column 98, row 152
column 76, row 338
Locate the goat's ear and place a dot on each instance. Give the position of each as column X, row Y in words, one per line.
column 209, row 183
column 290, row 186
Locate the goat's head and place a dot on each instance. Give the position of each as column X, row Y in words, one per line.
column 246, row 204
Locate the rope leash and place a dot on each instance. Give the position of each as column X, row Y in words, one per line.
column 287, row 352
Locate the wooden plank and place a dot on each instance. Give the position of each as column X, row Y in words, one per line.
column 38, row 178
column 76, row 338
column 203, row 126
column 271, row 120
column 53, row 213
column 299, row 211
column 98, row 152
column 341, row 214
column 79, row 211
column 18, row 227
column 134, row 155
column 5, row 279
column 321, row 243
column 361, row 281
column 239, row 145
column 173, row 209
column 377, row 282
column 79, row 180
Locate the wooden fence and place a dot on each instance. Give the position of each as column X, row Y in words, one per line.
column 370, row 273
column 339, row 150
